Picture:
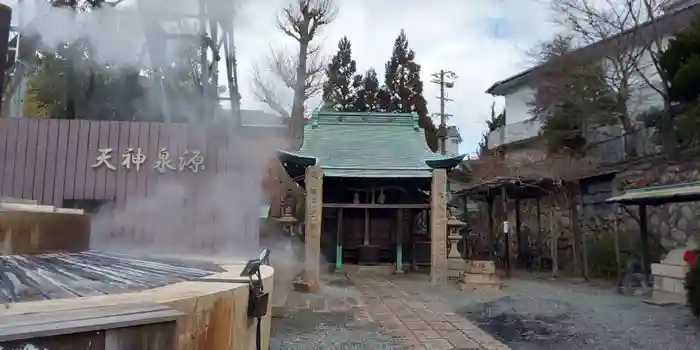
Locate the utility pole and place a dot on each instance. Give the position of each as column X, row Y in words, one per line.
column 444, row 78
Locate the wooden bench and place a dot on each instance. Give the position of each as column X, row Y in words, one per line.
column 99, row 328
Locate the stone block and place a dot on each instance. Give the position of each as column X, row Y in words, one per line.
column 481, row 287
column 675, row 271
column 480, row 267
column 306, row 287
column 479, row 279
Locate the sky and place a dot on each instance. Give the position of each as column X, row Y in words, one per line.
column 482, row 41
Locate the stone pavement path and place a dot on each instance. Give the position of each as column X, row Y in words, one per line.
column 373, row 313
column 417, row 321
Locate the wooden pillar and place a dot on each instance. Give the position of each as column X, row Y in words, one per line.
column 438, row 227
column 339, row 242
column 366, row 235
column 314, row 214
column 399, row 241
column 518, row 231
column 506, row 235
column 492, row 245
column 644, row 237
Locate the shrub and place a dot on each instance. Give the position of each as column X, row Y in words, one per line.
column 692, row 288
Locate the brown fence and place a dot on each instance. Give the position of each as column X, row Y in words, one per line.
column 54, row 161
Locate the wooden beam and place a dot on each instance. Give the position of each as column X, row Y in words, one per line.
column 376, row 206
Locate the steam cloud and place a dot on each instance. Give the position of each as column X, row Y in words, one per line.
column 210, row 214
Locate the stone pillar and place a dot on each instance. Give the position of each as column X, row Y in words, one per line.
column 312, row 234
column 438, row 227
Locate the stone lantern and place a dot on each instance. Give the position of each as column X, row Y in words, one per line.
column 287, row 219
column 456, row 266
column 454, row 225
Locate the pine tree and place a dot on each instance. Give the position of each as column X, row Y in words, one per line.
column 339, row 93
column 403, row 89
column 367, row 91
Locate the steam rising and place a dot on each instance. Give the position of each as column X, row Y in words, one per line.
column 206, row 214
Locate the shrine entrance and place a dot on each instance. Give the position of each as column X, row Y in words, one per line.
column 368, row 177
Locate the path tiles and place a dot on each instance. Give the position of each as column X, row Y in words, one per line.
column 419, row 323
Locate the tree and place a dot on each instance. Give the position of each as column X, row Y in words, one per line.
column 591, row 22
column 680, row 63
column 403, row 89
column 339, row 89
column 570, row 98
column 368, row 92
column 302, row 21
column 654, row 75
column 496, row 121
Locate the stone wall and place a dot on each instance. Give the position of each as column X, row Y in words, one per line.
column 676, row 224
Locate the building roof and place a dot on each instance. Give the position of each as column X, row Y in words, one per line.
column 367, row 145
column 643, row 33
column 251, row 117
column 657, row 195
column 453, row 132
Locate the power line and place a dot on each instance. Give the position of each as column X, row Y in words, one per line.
column 444, row 78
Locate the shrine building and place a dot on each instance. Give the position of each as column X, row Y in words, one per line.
column 375, row 193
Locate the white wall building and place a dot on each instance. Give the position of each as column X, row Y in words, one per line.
column 517, row 90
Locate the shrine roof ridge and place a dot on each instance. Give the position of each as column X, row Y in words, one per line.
column 321, row 117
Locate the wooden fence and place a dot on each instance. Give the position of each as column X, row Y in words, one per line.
column 55, row 161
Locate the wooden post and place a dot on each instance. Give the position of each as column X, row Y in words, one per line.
column 618, row 259
column 489, row 206
column 644, row 236
column 366, row 238
column 504, row 197
column 339, row 242
column 399, row 242
column 554, row 247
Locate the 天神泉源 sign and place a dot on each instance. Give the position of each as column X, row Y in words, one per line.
column 135, row 158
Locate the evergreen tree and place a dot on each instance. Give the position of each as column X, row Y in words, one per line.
column 496, row 121
column 339, row 92
column 403, row 89
column 367, row 88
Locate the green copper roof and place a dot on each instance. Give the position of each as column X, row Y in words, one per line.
column 367, row 145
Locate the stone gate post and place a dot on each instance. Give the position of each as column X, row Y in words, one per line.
column 438, row 227
column 312, row 235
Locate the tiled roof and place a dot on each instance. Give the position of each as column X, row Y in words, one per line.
column 377, row 145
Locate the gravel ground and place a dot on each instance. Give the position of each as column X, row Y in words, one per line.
column 531, row 315
column 308, row 330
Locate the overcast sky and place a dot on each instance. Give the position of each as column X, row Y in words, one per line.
column 483, row 41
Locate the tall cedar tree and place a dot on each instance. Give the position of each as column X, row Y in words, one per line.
column 403, row 89
column 338, row 90
column 368, row 92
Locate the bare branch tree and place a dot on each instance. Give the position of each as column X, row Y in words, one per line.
column 592, row 22
column 303, row 20
column 283, row 69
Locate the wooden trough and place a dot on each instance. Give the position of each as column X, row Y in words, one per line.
column 27, row 228
column 97, row 328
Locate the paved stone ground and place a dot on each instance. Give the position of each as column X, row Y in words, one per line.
column 540, row 314
column 373, row 313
